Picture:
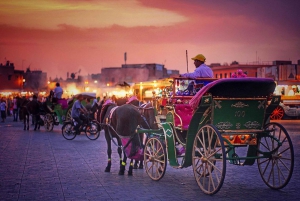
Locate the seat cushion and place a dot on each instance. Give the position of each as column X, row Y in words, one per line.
column 183, row 115
column 63, row 103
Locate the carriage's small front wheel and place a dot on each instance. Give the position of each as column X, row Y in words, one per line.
column 276, row 168
column 48, row 122
column 209, row 159
column 92, row 131
column 68, row 116
column 68, row 131
column 155, row 158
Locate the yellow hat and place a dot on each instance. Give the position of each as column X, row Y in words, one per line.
column 199, row 57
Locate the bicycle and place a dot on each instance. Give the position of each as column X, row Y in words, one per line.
column 90, row 126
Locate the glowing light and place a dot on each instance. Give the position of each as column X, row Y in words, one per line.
column 95, row 81
column 107, row 84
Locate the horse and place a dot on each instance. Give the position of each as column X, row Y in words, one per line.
column 121, row 123
column 147, row 112
column 28, row 108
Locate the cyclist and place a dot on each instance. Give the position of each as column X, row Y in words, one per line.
column 77, row 113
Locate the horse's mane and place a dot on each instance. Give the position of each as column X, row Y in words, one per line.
column 104, row 110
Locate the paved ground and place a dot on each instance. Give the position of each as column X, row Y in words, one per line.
column 40, row 165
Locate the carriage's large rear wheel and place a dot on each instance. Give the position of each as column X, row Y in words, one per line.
column 48, row 122
column 276, row 170
column 68, row 131
column 155, row 158
column 209, row 159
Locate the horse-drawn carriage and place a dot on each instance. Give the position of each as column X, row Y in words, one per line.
column 223, row 115
column 60, row 110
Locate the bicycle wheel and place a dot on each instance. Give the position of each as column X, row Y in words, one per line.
column 209, row 159
column 68, row 131
column 276, row 170
column 92, row 131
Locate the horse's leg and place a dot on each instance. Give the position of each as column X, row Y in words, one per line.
column 24, row 120
column 120, row 153
column 38, row 118
column 28, row 122
column 122, row 162
column 35, row 121
column 123, row 165
column 130, row 168
column 141, row 166
column 108, row 142
column 135, row 166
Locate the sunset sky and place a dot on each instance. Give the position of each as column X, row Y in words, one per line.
column 60, row 36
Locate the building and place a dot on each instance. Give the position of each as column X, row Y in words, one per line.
column 133, row 73
column 35, row 81
column 11, row 79
column 226, row 71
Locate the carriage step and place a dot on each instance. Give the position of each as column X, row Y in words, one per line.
column 235, row 159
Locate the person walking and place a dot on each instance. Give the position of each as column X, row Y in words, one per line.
column 15, row 109
column 3, row 110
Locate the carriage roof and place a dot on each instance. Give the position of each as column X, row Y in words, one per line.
column 86, row 95
column 241, row 87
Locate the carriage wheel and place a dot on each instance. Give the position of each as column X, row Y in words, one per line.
column 209, row 159
column 48, row 122
column 277, row 114
column 68, row 131
column 155, row 159
column 68, row 116
column 276, row 170
column 92, row 131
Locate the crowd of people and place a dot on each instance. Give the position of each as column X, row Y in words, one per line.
column 9, row 107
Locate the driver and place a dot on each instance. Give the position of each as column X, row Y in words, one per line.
column 58, row 91
column 201, row 70
column 77, row 112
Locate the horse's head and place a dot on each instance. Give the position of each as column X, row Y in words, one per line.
column 148, row 112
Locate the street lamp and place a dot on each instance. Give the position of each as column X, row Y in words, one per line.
column 24, row 82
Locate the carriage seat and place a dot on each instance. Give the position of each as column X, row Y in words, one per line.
column 183, row 115
column 63, row 103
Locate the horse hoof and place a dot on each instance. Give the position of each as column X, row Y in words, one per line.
column 135, row 167
column 129, row 173
column 121, row 173
column 141, row 167
column 107, row 170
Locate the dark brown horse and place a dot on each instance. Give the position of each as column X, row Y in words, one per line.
column 120, row 123
column 28, row 108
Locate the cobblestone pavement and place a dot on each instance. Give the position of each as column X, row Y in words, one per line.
column 41, row 165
